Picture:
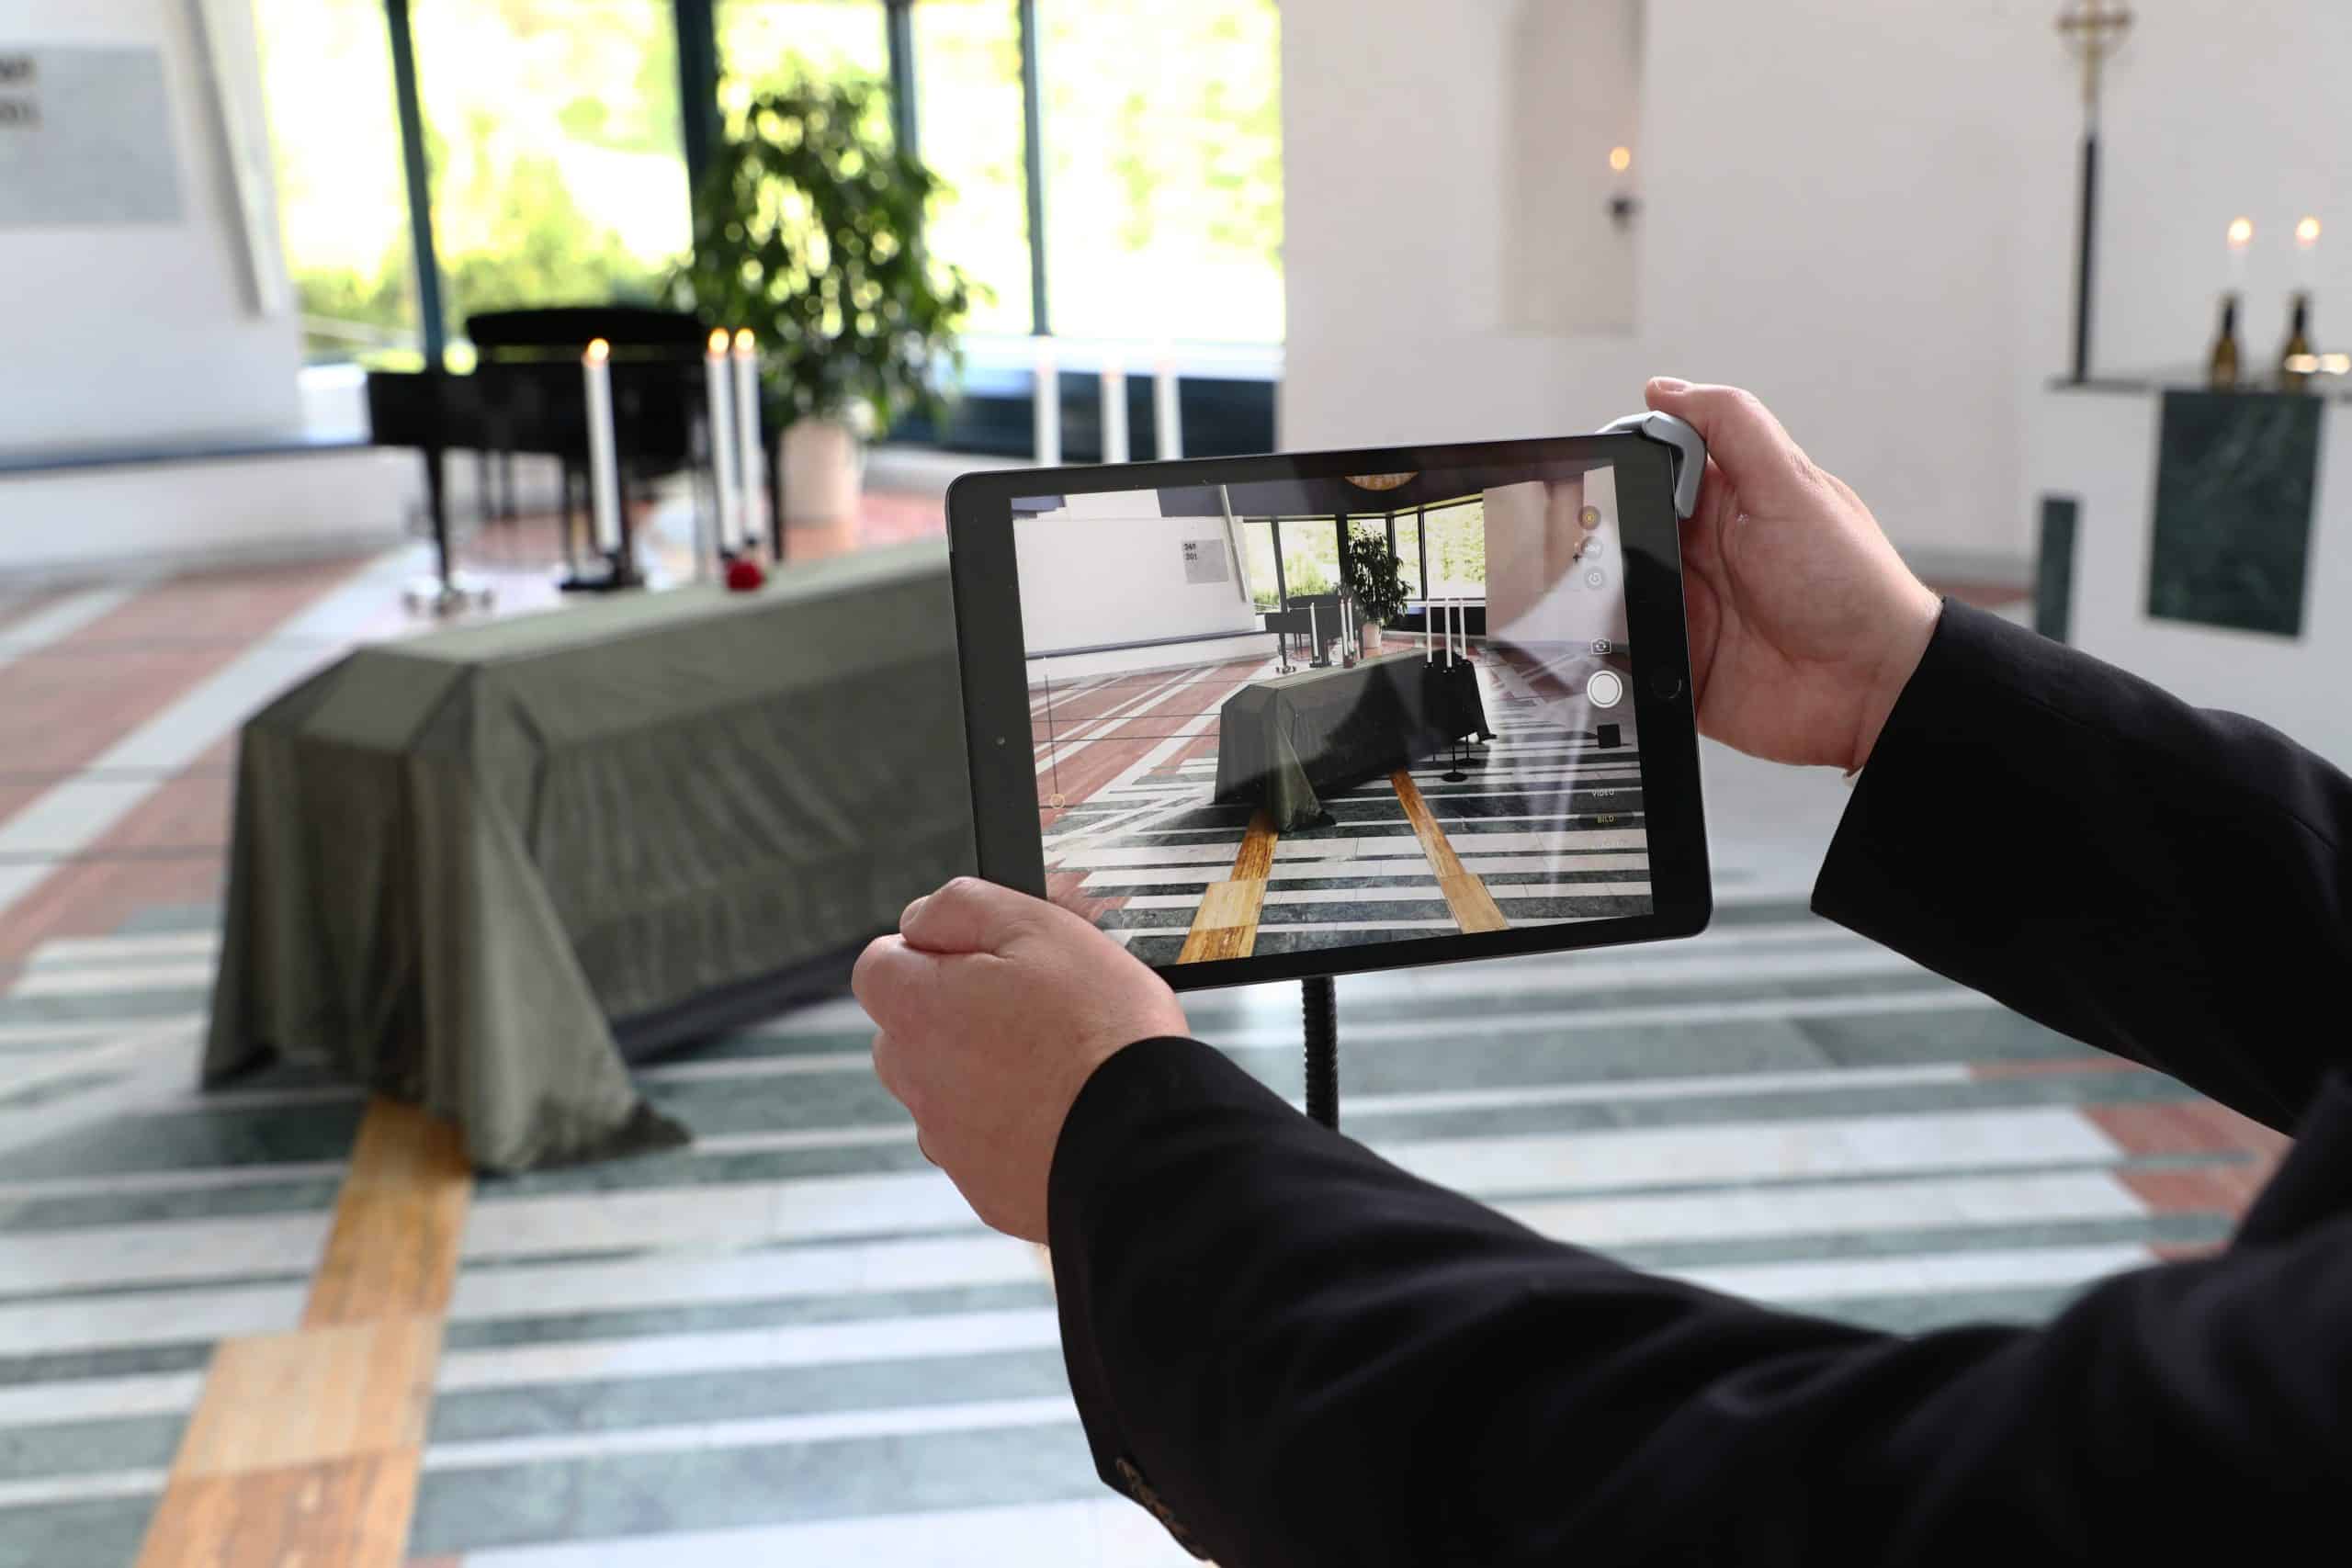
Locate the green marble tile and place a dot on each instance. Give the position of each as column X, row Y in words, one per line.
column 629, row 1495
column 742, row 1393
column 102, row 1533
column 2231, row 542
column 263, row 1196
column 87, row 1448
column 1970, row 1034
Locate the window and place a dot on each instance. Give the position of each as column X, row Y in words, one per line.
column 343, row 207
column 1457, row 538
column 1163, row 168
column 1408, row 529
column 1258, row 565
column 1310, row 555
column 554, row 137
column 763, row 44
column 969, row 129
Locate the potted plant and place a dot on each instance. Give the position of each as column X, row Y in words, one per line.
column 808, row 230
column 1376, row 583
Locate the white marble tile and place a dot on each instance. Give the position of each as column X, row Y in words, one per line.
column 98, row 1399
column 1845, row 1207
column 1108, row 1532
column 1721, row 1152
column 81, row 1258
column 711, row 1214
column 149, row 1317
column 146, row 948
column 685, row 1277
column 2048, row 1267
column 904, row 1421
column 84, row 980
column 89, row 1486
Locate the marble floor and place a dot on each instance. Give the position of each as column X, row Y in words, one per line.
column 788, row 1342
column 1538, row 824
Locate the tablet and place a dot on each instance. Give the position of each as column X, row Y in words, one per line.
column 1320, row 712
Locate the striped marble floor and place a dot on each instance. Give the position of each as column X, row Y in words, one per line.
column 1549, row 823
column 242, row 1323
column 792, row 1338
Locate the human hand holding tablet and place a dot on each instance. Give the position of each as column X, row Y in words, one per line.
column 1177, row 732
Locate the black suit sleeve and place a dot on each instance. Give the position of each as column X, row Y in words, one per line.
column 2166, row 883
column 1297, row 1355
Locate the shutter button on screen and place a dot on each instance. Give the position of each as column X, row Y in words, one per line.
column 1605, row 689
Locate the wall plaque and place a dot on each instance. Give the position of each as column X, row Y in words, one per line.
column 85, row 137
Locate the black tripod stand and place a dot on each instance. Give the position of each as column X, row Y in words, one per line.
column 1322, row 1018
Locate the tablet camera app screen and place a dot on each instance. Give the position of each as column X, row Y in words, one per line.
column 1311, row 713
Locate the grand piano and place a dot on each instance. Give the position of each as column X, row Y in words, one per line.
column 526, row 395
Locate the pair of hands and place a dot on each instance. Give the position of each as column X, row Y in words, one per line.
column 994, row 1007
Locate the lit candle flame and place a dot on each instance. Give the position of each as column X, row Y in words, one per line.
column 744, row 340
column 717, row 342
column 2307, row 232
column 1620, row 158
column 599, row 350
column 2241, row 232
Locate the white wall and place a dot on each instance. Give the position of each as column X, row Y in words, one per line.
column 143, row 332
column 1110, row 569
column 1863, row 209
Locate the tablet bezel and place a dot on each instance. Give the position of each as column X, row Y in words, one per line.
column 992, row 659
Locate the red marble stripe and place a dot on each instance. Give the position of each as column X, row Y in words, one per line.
column 2186, row 1127
column 2065, row 1066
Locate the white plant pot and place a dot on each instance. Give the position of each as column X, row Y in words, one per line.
column 823, row 468
column 1371, row 638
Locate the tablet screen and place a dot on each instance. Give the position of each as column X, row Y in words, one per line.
column 1296, row 715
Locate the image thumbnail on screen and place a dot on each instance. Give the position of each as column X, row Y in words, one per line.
column 1308, row 714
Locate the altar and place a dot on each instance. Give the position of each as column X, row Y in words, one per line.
column 2203, row 540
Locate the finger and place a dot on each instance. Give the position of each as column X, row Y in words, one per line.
column 1740, row 432
column 968, row 915
column 891, row 980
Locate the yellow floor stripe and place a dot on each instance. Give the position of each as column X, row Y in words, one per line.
column 304, row 1447
column 1465, row 894
column 1226, row 925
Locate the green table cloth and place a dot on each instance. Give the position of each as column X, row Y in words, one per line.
column 468, row 866
column 1285, row 742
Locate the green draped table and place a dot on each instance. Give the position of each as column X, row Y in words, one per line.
column 1286, row 742
column 472, row 869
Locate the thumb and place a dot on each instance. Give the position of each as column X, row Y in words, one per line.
column 1754, row 451
column 968, row 915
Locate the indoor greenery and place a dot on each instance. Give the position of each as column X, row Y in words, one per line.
column 1375, row 579
column 807, row 230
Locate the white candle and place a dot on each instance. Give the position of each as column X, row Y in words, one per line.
column 1449, row 633
column 1115, row 407
column 603, row 473
column 747, row 435
column 2306, row 253
column 1166, row 411
column 1314, row 634
column 2241, row 240
column 1048, row 408
column 718, row 392
column 1428, row 612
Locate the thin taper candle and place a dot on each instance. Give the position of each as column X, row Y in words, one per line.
column 604, row 471
column 718, row 392
column 747, row 436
